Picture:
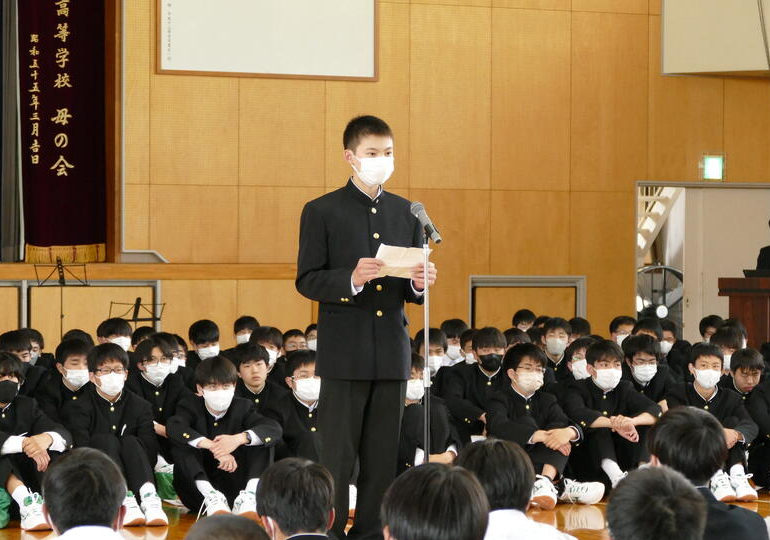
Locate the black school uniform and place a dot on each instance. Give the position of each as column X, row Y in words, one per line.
column 584, row 402
column 23, row 416
column 758, row 406
column 559, row 368
column 267, row 401
column 726, row 406
column 54, row 394
column 301, row 437
column 656, row 389
column 466, row 390
column 515, row 418
column 34, row 378
column 731, row 522
column 193, row 421
column 443, row 435
column 123, row 430
column 727, row 381
column 46, row 361
column 277, row 373
column 678, row 359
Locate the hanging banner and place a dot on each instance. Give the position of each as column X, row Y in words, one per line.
column 61, row 89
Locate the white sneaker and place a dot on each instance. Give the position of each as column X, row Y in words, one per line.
column 582, row 492
column 543, row 493
column 743, row 490
column 134, row 516
column 614, row 481
column 214, row 503
column 245, row 505
column 32, row 518
column 352, row 496
column 153, row 511
column 721, row 487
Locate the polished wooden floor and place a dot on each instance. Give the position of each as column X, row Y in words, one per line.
column 582, row 522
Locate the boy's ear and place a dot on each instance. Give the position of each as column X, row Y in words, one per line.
column 591, row 369
column 511, row 372
column 199, row 390
column 287, row 380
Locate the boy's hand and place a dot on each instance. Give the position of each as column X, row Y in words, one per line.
column 447, row 458
column 227, row 463
column 556, row 439
column 160, row 430
column 418, row 276
column 367, row 269
column 226, row 444
column 36, row 448
column 732, row 437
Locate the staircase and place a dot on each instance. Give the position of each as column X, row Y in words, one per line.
column 655, row 203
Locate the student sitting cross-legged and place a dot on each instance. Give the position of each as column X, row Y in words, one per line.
column 643, row 370
column 524, row 414
column 221, row 444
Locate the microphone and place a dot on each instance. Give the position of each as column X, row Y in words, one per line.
column 418, row 211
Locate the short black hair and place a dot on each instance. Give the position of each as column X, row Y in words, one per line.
column 71, row 347
column 620, row 321
column 453, row 328
column 656, row 503
column 651, row 325
column 203, row 331
column 215, row 370
column 114, row 326
column 310, row 328
column 603, row 350
column 144, row 349
column 487, row 337
column 105, row 352
column 418, row 362
column 556, row 323
column 540, row 320
column 226, row 527
column 667, row 325
column 267, row 334
column 705, row 349
column 245, row 322
column 435, row 337
column 735, row 323
column 504, row 470
column 294, row 332
column 298, row 494
column 514, row 335
column 523, row 316
column 363, row 126
column 710, row 321
column 297, row 359
column 643, row 343
column 535, row 334
column 467, row 337
column 140, row 334
column 691, row 441
column 77, row 333
column 14, row 340
column 435, row 501
column 517, row 353
column 169, row 340
column 35, row 335
column 181, row 342
column 728, row 337
column 249, row 352
column 83, row 487
column 579, row 343
column 10, row 365
column 750, row 359
column 580, row 326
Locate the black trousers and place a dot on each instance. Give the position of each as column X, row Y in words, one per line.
column 191, row 464
column 360, row 420
column 131, row 456
column 25, row 469
column 540, row 455
column 585, row 460
column 759, row 463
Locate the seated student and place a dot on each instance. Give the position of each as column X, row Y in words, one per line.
column 466, row 345
column 746, row 367
column 228, row 527
column 37, row 356
column 29, row 440
column 163, row 390
column 728, row 339
column 575, row 357
column 609, row 410
column 676, row 351
column 467, row 387
column 221, row 443
column 116, row 421
column 708, row 325
column 444, row 440
column 243, row 328
column 115, row 330
column 271, row 339
column 204, row 337
column 692, row 442
column 523, row 319
column 298, row 409
column 727, row 407
column 540, row 321
column 311, row 333
column 76, row 333
column 294, row 340
column 522, row 413
column 17, row 343
column 555, row 338
column 738, row 326
column 251, row 361
column 580, row 328
column 505, row 472
column 453, row 329
column 295, row 499
column 437, row 345
column 758, row 406
column 69, row 382
column 656, row 503
column 621, row 327
column 435, row 501
column 514, row 336
column 140, row 334
column 641, row 368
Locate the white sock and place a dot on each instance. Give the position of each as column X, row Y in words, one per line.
column 251, row 486
column 147, row 490
column 204, row 486
column 613, row 470
column 737, row 469
column 161, row 462
column 21, row 493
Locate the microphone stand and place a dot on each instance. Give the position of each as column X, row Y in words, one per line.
column 426, row 343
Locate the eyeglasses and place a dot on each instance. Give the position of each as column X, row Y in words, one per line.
column 181, row 354
column 154, row 360
column 106, row 371
column 301, row 377
column 644, row 362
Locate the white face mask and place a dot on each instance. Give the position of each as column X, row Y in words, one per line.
column 33, row 356
column 645, row 373
column 415, row 389
column 608, row 379
column 124, row 342
column 375, row 171
column 112, row 384
column 524, row 327
column 469, row 358
column 312, row 344
column 434, row 363
column 579, row 369
column 273, row 356
column 726, row 363
column 174, row 365
column 529, row 382
column 744, row 343
column 555, row 346
column 158, row 373
column 453, row 352
column 707, row 378
column 665, row 347
column 308, row 389
column 76, row 377
column 620, row 338
column 208, row 352
column 240, row 339
column 218, row 400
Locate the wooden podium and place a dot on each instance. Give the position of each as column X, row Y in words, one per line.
column 749, row 302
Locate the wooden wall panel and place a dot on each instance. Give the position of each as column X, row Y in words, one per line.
column 747, row 130
column 189, row 301
column 137, row 222
column 564, row 5
column 655, row 6
column 611, row 6
column 477, row 3
column 136, row 97
column 609, row 101
column 450, row 97
column 530, row 114
column 274, row 303
column 9, row 313
column 495, row 306
column 686, row 118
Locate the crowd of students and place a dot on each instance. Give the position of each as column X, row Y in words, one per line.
column 580, row 407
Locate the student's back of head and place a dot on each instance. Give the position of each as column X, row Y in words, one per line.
column 84, row 488
column 504, row 471
column 226, row 527
column 656, row 503
column 435, row 501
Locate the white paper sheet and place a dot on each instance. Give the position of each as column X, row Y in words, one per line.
column 399, row 261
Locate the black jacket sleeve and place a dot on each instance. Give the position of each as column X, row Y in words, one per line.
column 179, row 427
